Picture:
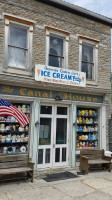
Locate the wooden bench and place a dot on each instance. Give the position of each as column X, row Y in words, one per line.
column 93, row 157
column 13, row 166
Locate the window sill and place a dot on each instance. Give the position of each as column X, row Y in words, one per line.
column 17, row 72
column 93, row 83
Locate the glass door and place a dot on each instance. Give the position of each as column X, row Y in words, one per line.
column 53, row 136
column 45, row 137
column 60, row 146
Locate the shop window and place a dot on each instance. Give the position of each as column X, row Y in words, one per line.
column 18, row 44
column 87, row 128
column 88, row 57
column 56, row 48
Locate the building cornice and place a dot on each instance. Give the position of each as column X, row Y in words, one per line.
column 78, row 11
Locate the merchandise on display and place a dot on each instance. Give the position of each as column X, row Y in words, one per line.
column 87, row 128
column 13, row 137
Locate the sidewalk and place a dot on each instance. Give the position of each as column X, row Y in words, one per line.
column 94, row 186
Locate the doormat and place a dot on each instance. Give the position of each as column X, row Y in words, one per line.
column 60, row 176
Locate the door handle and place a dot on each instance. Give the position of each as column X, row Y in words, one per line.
column 53, row 145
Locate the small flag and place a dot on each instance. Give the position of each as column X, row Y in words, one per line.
column 7, row 108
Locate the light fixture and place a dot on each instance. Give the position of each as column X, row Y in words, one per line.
column 58, row 98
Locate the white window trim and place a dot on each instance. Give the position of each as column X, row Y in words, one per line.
column 94, row 43
column 17, row 21
column 61, row 34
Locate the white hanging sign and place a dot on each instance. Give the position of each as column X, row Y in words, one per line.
column 59, row 75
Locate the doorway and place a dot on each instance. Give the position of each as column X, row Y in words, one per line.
column 53, row 136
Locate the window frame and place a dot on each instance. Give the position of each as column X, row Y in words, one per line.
column 22, row 23
column 94, row 43
column 59, row 34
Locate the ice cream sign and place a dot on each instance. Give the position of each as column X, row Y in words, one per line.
column 59, row 75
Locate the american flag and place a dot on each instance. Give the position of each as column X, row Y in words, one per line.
column 7, row 108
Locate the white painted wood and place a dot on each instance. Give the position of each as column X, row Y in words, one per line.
column 73, row 136
column 35, row 132
column 103, row 127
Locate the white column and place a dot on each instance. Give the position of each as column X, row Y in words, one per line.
column 34, row 138
column 103, row 128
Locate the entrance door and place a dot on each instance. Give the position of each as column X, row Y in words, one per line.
column 53, row 136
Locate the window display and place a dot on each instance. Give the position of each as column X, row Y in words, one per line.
column 87, row 128
column 13, row 137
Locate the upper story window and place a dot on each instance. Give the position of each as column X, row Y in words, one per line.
column 88, row 57
column 56, row 54
column 18, row 45
column 56, row 48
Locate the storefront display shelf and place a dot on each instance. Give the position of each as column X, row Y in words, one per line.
column 4, row 122
column 86, row 116
column 86, row 148
column 87, row 140
column 7, row 143
column 14, row 132
column 87, row 128
column 79, row 132
column 95, row 123
column 13, row 137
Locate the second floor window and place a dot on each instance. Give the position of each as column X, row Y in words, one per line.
column 57, row 47
column 17, row 47
column 56, row 57
column 88, row 58
column 87, row 64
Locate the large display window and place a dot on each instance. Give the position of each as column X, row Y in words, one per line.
column 13, row 137
column 87, row 128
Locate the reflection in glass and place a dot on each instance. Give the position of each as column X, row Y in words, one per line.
column 63, row 154
column 16, row 57
column 62, row 110
column 46, row 110
column 87, row 68
column 87, row 61
column 87, row 53
column 56, row 51
column 45, row 131
column 18, row 37
column 57, row 155
column 47, row 156
column 40, row 156
column 61, row 131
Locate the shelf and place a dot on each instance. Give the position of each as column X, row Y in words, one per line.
column 79, row 132
column 8, row 143
column 87, row 148
column 88, row 124
column 87, row 140
column 9, row 122
column 86, row 116
column 14, row 132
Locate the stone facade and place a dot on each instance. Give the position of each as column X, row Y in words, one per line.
column 49, row 15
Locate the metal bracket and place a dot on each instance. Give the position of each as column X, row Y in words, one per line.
column 37, row 123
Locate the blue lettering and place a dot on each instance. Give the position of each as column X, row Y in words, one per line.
column 54, row 75
column 42, row 73
column 69, row 77
column 45, row 73
column 58, row 75
column 48, row 74
column 62, row 76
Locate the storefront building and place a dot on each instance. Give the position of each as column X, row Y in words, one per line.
column 55, row 67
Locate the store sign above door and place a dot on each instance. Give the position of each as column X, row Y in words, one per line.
column 60, row 76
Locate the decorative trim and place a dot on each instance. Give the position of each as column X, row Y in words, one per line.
column 19, row 19
column 88, row 38
column 49, row 28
